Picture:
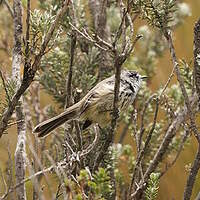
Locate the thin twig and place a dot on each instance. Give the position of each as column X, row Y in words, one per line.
column 5, row 87
column 149, row 135
column 142, row 121
column 196, row 165
column 167, row 83
column 181, row 145
column 192, row 176
column 170, row 133
column 9, row 8
column 142, row 152
column 86, row 36
column 125, row 129
column 91, row 146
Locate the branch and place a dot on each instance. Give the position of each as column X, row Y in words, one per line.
column 58, row 165
column 139, row 138
column 12, row 189
column 197, row 57
column 171, row 132
column 85, row 35
column 181, row 146
column 69, row 77
column 20, row 152
column 167, row 35
column 141, row 152
column 9, row 8
column 119, row 59
column 4, row 85
column 192, row 176
column 110, row 136
column 196, row 165
column 28, row 77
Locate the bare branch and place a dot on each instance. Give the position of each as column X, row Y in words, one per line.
column 91, row 146
column 98, row 9
column 197, row 57
column 87, row 37
column 142, row 121
column 69, row 78
column 192, row 176
column 183, row 140
column 182, row 86
column 142, row 151
column 4, row 85
column 170, row 133
column 110, row 136
column 9, row 8
column 172, row 130
column 196, row 165
column 20, row 152
column 167, row 83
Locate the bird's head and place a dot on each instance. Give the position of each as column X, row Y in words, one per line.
column 133, row 76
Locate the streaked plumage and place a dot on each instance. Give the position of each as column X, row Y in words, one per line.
column 97, row 105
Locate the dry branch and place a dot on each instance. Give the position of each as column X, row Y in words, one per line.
column 181, row 82
column 197, row 57
column 20, row 152
column 196, row 165
column 6, row 2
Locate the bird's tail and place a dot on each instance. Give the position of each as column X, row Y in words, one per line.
column 44, row 128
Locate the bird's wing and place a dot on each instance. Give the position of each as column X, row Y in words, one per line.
column 100, row 97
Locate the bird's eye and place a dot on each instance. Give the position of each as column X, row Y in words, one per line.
column 133, row 75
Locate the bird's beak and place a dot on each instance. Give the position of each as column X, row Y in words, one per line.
column 144, row 77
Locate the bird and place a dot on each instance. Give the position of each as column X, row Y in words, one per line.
column 97, row 105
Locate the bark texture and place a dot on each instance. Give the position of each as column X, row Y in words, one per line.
column 20, row 152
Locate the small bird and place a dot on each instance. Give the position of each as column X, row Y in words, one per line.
column 97, row 105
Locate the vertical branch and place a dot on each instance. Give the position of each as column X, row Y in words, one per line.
column 192, row 176
column 110, row 136
column 197, row 58
column 20, row 152
column 72, row 52
column 168, row 37
column 69, row 77
column 35, row 99
column 9, row 8
column 196, row 165
column 69, row 99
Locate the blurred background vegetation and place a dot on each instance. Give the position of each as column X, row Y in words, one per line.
column 173, row 182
